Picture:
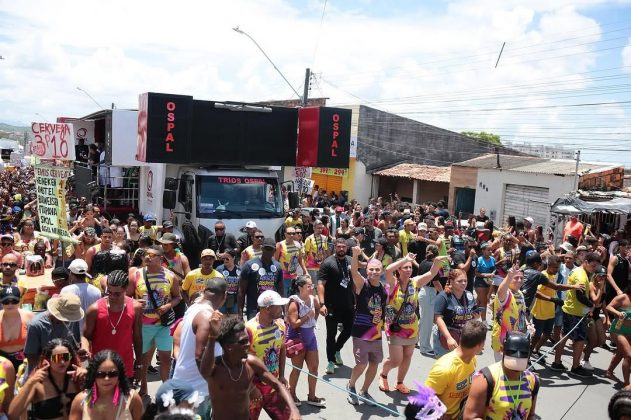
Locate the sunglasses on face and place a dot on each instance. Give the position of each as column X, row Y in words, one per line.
column 60, row 357
column 11, row 302
column 101, row 374
column 220, row 229
column 6, row 244
column 259, row 237
column 242, row 342
column 12, row 265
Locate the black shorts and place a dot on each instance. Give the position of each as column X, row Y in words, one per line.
column 580, row 332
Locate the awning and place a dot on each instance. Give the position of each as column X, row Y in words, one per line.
column 573, row 205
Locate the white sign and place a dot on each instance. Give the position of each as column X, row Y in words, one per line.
column 52, row 141
column 353, row 151
column 302, row 172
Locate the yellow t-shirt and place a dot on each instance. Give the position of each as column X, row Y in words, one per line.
column 404, row 240
column 543, row 309
column 291, row 221
column 153, row 231
column 572, row 306
column 450, row 377
column 511, row 399
column 195, row 281
column 289, row 259
column 161, row 287
column 315, row 250
column 266, row 343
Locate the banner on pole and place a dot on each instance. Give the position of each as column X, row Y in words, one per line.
column 52, row 141
column 50, row 182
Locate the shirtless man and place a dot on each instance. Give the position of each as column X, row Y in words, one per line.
column 230, row 376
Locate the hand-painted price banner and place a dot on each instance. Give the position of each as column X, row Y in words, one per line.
column 52, row 141
column 50, row 182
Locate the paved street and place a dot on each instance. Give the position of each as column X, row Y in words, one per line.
column 561, row 396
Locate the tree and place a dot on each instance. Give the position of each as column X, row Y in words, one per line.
column 484, row 136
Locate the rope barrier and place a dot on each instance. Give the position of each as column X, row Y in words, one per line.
column 346, row 391
column 557, row 343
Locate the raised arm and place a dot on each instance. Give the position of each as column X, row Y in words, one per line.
column 390, row 279
column 207, row 364
column 425, row 278
column 358, row 280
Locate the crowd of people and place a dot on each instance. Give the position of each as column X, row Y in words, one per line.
column 218, row 322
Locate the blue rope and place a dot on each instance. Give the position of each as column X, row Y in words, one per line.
column 543, row 356
column 346, row 391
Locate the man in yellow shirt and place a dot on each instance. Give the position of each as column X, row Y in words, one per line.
column 406, row 235
column 544, row 308
column 196, row 280
column 451, row 375
column 576, row 305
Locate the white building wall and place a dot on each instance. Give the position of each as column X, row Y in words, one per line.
column 495, row 181
column 363, row 183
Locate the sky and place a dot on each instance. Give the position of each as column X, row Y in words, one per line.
column 563, row 77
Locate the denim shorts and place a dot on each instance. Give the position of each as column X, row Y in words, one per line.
column 480, row 283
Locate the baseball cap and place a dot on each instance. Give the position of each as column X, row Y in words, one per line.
column 530, row 220
column 10, row 237
column 79, row 267
column 149, row 218
column 9, row 292
column 422, row 226
column 449, row 224
column 167, row 224
column 406, row 211
column 359, row 231
column 271, row 298
column 581, row 248
column 269, row 243
column 566, row 246
column 339, row 208
column 600, row 271
column 485, row 245
column 168, row 238
column 381, row 241
column 251, row 224
column 208, row 253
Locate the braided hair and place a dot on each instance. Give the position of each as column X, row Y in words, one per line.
column 118, row 278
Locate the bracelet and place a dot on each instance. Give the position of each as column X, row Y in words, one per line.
column 136, row 366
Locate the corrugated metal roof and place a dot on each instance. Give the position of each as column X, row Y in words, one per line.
column 419, row 172
column 535, row 165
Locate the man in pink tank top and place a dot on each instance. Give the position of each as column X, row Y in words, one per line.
column 114, row 322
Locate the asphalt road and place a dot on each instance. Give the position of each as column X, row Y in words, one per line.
column 561, row 396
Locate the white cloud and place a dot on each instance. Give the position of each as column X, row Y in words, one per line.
column 626, row 57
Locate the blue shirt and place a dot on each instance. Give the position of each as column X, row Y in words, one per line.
column 485, row 266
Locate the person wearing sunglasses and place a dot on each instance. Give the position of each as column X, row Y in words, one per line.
column 254, row 250
column 50, row 388
column 6, row 247
column 291, row 255
column 221, row 240
column 231, row 272
column 13, row 326
column 107, row 391
column 195, row 281
column 9, row 277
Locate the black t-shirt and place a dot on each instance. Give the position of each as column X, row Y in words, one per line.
column 338, row 289
column 481, row 218
column 261, row 277
column 461, row 258
column 424, row 267
column 418, row 248
column 456, row 312
column 532, row 279
column 369, row 311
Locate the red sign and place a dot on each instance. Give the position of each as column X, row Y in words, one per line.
column 239, row 180
column 324, row 137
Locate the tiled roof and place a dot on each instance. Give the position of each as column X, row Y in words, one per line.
column 419, row 172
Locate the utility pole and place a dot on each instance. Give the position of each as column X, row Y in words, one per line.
column 305, row 94
column 578, row 159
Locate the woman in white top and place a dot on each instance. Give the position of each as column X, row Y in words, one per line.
column 302, row 313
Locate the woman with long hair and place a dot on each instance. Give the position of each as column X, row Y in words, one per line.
column 302, row 314
column 401, row 318
column 107, row 392
column 13, row 326
column 595, row 326
column 27, row 236
column 453, row 308
column 49, row 388
column 132, row 234
column 344, row 231
column 484, row 273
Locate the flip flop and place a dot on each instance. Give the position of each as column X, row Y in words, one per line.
column 317, row 402
column 383, row 383
column 402, row 389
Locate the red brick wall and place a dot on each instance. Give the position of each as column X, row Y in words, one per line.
column 603, row 181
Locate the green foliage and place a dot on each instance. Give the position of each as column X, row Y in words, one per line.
column 483, row 135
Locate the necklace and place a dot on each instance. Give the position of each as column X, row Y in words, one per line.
column 110, row 320
column 229, row 371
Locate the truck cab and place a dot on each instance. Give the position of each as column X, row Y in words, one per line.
column 233, row 196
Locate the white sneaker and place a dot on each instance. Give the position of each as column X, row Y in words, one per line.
column 586, row 365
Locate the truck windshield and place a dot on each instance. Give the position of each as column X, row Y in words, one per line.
column 233, row 197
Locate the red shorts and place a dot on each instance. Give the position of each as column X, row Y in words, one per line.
column 271, row 402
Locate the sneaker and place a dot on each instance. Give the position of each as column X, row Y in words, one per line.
column 558, row 367
column 330, row 368
column 317, row 402
column 368, row 399
column 586, row 365
column 352, row 395
column 581, row 372
column 153, row 370
column 430, row 353
column 338, row 359
column 607, row 347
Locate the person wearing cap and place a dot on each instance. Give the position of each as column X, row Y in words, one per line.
column 88, row 294
column 291, row 255
column 254, row 250
column 13, row 323
column 194, row 335
column 149, row 226
column 73, row 213
column 406, row 235
column 577, row 305
column 247, row 238
column 257, row 276
column 114, row 322
column 231, row 376
column 266, row 332
column 197, row 280
column 451, row 375
column 165, row 296
column 60, row 320
column 6, row 247
column 595, row 326
column 529, row 229
column 173, row 258
column 505, row 389
column 9, row 276
column 221, row 240
column 293, row 218
column 316, row 249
